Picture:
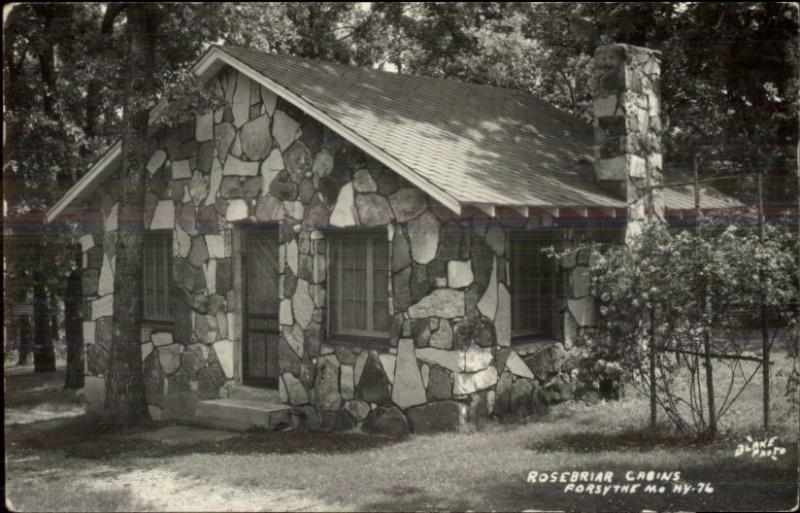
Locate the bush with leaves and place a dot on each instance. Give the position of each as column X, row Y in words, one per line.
column 688, row 293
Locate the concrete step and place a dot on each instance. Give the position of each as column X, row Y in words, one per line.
column 266, row 395
column 242, row 414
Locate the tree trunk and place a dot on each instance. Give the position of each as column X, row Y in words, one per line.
column 25, row 340
column 44, row 356
column 10, row 298
column 95, row 87
column 73, row 327
column 125, row 402
column 54, row 328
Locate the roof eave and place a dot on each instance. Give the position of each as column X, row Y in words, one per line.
column 97, row 171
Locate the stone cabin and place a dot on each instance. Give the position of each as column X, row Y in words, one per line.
column 341, row 246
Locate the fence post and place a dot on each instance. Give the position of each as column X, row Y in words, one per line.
column 706, row 304
column 652, row 355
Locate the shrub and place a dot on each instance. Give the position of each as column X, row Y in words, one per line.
column 687, row 293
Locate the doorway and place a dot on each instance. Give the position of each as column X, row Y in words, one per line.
column 261, row 305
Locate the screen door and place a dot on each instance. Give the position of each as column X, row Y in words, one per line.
column 261, row 306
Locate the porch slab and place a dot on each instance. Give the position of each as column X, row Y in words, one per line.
column 242, row 414
column 247, row 393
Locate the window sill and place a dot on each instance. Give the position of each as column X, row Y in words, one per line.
column 527, row 344
column 158, row 323
column 365, row 342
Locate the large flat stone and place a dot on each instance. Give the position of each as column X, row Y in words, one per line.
column 502, row 321
column 285, row 130
column 386, row 421
column 468, row 383
column 238, row 167
column 236, row 210
column 408, row 389
column 343, row 213
column 488, row 302
column 372, row 385
column 241, row 415
column 323, row 163
column 255, row 138
column 437, row 417
column 106, row 282
column 407, row 203
column 373, row 210
column 459, row 274
column 295, row 391
column 442, row 338
column 583, row 311
column 477, row 358
column 103, row 307
column 518, row 367
column 241, row 100
column 451, row 360
column 156, row 161
column 423, row 233
column 224, row 351
column 444, row 303
column 326, row 386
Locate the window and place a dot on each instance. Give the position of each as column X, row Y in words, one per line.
column 359, row 303
column 157, row 274
column 536, row 286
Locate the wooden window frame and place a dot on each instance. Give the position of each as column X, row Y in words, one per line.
column 166, row 275
column 368, row 336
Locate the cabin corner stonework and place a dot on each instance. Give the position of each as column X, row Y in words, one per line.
column 448, row 361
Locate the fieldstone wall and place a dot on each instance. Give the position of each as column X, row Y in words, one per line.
column 448, row 361
column 626, row 90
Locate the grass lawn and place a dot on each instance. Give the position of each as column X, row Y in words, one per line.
column 69, row 463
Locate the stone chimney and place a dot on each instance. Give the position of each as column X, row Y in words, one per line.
column 627, row 122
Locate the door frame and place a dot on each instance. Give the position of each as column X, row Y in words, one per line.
column 243, row 230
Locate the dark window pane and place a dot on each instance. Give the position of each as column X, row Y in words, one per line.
column 535, row 284
column 156, row 274
column 359, row 283
column 381, row 316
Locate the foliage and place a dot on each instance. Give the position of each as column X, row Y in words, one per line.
column 677, row 289
column 729, row 71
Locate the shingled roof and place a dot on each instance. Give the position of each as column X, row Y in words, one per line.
column 481, row 144
column 465, row 144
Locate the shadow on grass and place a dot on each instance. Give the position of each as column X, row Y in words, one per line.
column 638, row 441
column 87, row 438
column 420, row 500
column 25, row 389
column 65, row 497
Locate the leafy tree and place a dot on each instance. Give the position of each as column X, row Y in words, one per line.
column 41, row 155
column 73, row 328
column 729, row 71
column 147, row 53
